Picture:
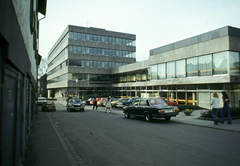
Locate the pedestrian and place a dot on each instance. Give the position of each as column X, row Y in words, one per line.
column 95, row 103
column 226, row 102
column 215, row 106
column 108, row 105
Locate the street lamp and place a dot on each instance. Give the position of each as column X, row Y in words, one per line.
column 76, row 86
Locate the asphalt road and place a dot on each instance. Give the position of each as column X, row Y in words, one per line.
column 110, row 139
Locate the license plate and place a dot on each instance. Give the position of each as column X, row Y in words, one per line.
column 77, row 109
column 168, row 111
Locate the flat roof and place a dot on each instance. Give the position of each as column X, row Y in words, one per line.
column 218, row 33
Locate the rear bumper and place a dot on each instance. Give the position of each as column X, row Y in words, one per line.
column 165, row 115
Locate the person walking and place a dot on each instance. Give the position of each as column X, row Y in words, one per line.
column 108, row 105
column 215, row 106
column 226, row 102
column 95, row 103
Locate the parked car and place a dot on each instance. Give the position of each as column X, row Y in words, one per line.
column 89, row 100
column 41, row 100
column 101, row 101
column 168, row 102
column 150, row 108
column 48, row 106
column 115, row 102
column 130, row 101
column 75, row 105
column 120, row 103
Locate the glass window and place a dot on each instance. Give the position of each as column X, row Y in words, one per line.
column 161, row 71
column 153, row 72
column 234, row 63
column 205, row 65
column 105, row 51
column 91, row 50
column 87, row 63
column 95, row 64
column 87, row 36
column 113, row 64
column 120, row 41
column 83, row 36
column 75, row 35
column 220, row 63
column 180, row 69
column 95, row 37
column 102, row 51
column 83, row 50
column 192, row 67
column 91, row 37
column 106, row 64
column 70, row 48
column 79, row 36
column 95, row 51
column 79, row 49
column 70, row 35
column 87, row 50
column 171, row 70
column 102, row 38
column 113, row 40
column 74, row 49
column 98, row 64
column 99, row 51
column 117, row 40
column 106, row 39
column 90, row 63
column 102, row 64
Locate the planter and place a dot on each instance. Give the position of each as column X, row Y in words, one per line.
column 188, row 112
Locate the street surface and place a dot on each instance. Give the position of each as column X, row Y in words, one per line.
column 98, row 138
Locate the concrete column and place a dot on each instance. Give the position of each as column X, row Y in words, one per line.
column 193, row 98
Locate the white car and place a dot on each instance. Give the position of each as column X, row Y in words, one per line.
column 41, row 100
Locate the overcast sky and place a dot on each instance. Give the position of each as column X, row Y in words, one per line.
column 154, row 22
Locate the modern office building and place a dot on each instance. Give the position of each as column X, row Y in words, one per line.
column 187, row 72
column 81, row 60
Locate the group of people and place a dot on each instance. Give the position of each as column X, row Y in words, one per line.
column 108, row 104
column 215, row 106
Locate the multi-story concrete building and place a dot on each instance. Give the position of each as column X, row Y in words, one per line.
column 187, row 72
column 19, row 58
column 81, row 60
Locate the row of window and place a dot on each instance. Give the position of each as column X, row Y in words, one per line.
column 206, row 65
column 101, row 51
column 99, row 38
column 86, row 63
column 95, row 64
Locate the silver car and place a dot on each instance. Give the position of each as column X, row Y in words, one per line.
column 75, row 105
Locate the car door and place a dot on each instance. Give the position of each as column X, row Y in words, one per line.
column 142, row 107
column 133, row 107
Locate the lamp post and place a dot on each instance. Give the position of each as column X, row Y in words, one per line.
column 76, row 86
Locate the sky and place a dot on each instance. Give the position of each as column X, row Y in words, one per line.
column 154, row 22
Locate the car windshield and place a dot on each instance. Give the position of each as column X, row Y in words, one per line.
column 75, row 101
column 157, row 102
column 130, row 100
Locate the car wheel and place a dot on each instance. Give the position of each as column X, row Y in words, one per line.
column 148, row 117
column 126, row 114
column 167, row 118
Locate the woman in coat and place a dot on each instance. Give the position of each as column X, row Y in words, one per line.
column 215, row 106
column 226, row 102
